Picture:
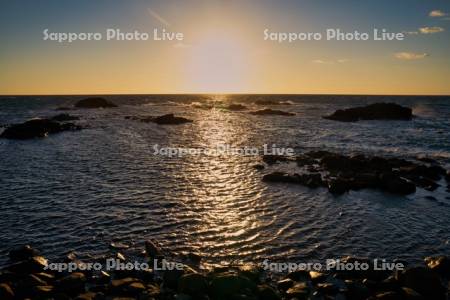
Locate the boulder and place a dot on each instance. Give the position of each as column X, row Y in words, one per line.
column 300, row 290
column 377, row 111
column 227, row 284
column 280, row 177
column 73, row 283
column 151, row 249
column 36, row 128
column 265, row 292
column 22, row 253
column 94, row 102
column 193, row 284
column 35, row 264
column 440, row 265
column 397, row 185
column 424, row 281
column 268, row 111
column 6, row 292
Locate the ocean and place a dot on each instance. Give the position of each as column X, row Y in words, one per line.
column 83, row 190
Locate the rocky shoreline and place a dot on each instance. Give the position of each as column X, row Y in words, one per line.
column 30, row 276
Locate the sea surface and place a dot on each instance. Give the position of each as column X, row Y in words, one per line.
column 81, row 191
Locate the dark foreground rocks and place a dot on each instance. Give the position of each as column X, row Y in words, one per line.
column 268, row 111
column 64, row 118
column 342, row 173
column 377, row 111
column 94, row 102
column 36, row 128
column 247, row 281
column 168, row 119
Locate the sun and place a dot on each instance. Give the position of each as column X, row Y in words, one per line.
column 218, row 63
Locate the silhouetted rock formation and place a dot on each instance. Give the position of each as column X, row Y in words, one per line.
column 268, row 111
column 36, row 128
column 342, row 173
column 94, row 102
column 168, row 119
column 236, row 107
column 377, row 111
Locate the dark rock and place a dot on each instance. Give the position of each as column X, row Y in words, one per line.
column 410, row 294
column 227, row 284
column 397, row 185
column 300, row 290
column 268, row 111
column 377, row 111
column 152, row 249
column 339, row 186
column 6, row 292
column 299, row 275
column 172, row 277
column 193, row 284
column 36, row 264
column 285, row 284
column 88, row 296
column 22, row 253
column 63, row 108
column 43, row 291
column 250, row 271
column 236, row 107
column 310, row 180
column 64, row 118
column 447, row 176
column 271, row 159
column 440, row 265
column 389, row 296
column 356, row 290
column 36, row 128
column 168, row 119
column 424, row 281
column 94, row 102
column 73, row 283
column 280, row 177
column 266, row 292
column 259, row 167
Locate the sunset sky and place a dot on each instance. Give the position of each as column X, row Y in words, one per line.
column 224, row 50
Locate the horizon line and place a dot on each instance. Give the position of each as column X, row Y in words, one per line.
column 174, row 94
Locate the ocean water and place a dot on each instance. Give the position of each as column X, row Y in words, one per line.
column 80, row 191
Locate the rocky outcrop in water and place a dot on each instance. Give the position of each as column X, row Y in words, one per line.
column 28, row 277
column 236, row 107
column 342, row 173
column 94, row 102
column 268, row 111
column 168, row 119
column 36, row 128
column 377, row 111
column 267, row 102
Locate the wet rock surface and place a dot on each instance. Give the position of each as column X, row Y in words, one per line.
column 377, row 111
column 225, row 282
column 94, row 102
column 36, row 128
column 236, row 107
column 269, row 112
column 342, row 173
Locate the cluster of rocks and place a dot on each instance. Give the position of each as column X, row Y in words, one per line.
column 268, row 111
column 168, row 119
column 376, row 111
column 341, row 173
column 38, row 128
column 28, row 277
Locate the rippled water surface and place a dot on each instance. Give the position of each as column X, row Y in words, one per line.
column 83, row 190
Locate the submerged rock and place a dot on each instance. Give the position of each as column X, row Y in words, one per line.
column 170, row 119
column 6, row 292
column 268, row 111
column 64, row 117
column 94, row 102
column 22, row 253
column 36, row 128
column 236, row 107
column 377, row 111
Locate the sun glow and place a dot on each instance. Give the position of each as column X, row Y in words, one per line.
column 218, row 63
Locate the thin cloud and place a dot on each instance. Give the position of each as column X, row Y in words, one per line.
column 429, row 30
column 181, row 45
column 158, row 17
column 410, row 55
column 330, row 62
column 437, row 13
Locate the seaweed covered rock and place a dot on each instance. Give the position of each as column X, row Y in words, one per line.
column 377, row 111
